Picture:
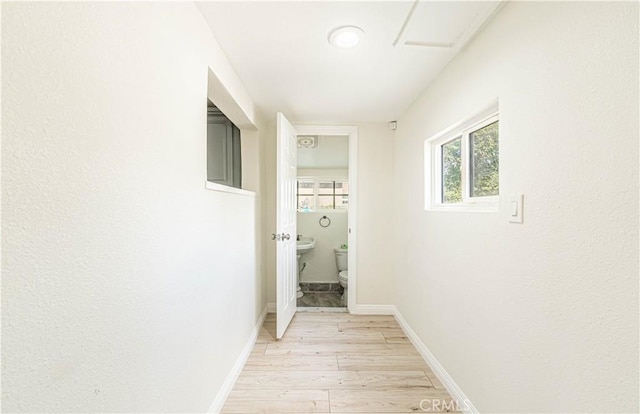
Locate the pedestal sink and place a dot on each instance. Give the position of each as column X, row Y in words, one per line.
column 303, row 245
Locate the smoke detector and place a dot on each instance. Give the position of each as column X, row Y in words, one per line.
column 307, row 141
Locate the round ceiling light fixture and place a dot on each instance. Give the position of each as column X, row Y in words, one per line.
column 345, row 36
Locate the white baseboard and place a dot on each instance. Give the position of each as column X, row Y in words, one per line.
column 271, row 307
column 230, row 381
column 464, row 404
column 375, row 310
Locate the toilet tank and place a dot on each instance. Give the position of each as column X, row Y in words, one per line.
column 341, row 258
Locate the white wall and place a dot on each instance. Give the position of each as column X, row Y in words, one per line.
column 375, row 213
column 324, row 172
column 542, row 316
column 118, row 281
column 332, row 152
column 321, row 261
column 375, row 284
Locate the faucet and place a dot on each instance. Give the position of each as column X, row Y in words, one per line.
column 299, row 236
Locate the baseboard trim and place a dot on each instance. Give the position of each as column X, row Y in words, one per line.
column 375, row 310
column 464, row 404
column 230, row 381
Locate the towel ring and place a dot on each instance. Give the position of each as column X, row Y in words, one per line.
column 324, row 221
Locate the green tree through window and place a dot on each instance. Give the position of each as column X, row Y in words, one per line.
column 451, row 172
column 465, row 165
column 484, row 161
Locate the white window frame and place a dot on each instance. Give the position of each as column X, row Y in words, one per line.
column 316, row 188
column 433, row 165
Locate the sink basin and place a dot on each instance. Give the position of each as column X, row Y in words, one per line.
column 305, row 244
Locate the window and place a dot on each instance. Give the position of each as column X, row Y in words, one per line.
column 322, row 194
column 451, row 154
column 484, row 161
column 463, row 165
column 341, row 192
column 224, row 162
column 306, row 196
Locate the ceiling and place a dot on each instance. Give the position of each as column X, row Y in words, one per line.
column 281, row 53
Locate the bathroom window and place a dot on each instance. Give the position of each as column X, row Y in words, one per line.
column 341, row 195
column 306, row 195
column 463, row 165
column 326, row 195
column 315, row 194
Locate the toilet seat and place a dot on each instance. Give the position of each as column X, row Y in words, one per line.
column 343, row 275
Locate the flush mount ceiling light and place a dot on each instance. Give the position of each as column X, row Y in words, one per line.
column 345, row 36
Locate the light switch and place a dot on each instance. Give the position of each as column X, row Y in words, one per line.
column 514, row 209
column 516, row 204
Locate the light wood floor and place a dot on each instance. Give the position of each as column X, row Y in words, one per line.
column 336, row 363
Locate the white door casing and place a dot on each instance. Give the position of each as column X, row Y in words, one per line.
column 285, row 236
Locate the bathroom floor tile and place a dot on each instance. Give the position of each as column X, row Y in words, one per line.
column 321, row 300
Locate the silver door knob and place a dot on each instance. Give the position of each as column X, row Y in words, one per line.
column 285, row 236
column 275, row 237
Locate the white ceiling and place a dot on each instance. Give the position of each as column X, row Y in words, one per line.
column 281, row 53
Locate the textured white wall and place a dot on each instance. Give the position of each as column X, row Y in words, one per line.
column 375, row 215
column 375, row 281
column 543, row 316
column 126, row 286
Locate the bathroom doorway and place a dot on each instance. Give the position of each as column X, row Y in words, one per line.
column 325, row 200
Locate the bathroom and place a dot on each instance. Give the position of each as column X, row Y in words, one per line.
column 322, row 220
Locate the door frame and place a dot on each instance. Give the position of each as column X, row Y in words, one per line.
column 352, row 132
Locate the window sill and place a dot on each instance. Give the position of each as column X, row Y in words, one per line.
column 324, row 211
column 232, row 190
column 464, row 208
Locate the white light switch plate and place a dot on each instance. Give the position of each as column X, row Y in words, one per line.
column 515, row 207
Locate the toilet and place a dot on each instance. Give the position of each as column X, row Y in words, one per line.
column 343, row 273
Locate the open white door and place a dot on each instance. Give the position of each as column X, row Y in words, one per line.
column 286, row 225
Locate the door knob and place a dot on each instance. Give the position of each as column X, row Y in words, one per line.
column 275, row 237
column 286, row 236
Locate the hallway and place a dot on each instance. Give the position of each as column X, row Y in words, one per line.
column 337, row 363
column 492, row 176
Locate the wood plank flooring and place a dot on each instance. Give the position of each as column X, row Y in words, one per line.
column 336, row 363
